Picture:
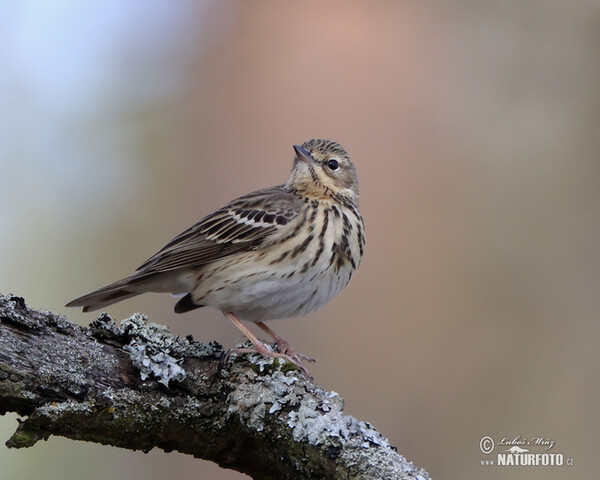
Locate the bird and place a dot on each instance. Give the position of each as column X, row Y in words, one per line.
column 279, row 252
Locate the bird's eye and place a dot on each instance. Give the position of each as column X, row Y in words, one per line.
column 333, row 165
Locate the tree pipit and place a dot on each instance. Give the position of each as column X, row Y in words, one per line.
column 279, row 252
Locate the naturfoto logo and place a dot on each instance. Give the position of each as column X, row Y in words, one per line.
column 517, row 451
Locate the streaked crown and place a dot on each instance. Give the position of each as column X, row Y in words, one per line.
column 321, row 169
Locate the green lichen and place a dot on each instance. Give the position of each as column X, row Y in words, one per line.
column 289, row 367
column 264, row 368
column 267, row 366
column 24, row 438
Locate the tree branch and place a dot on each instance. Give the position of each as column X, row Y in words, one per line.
column 136, row 386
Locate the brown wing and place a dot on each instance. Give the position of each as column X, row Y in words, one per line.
column 241, row 225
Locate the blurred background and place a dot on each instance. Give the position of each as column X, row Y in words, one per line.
column 474, row 129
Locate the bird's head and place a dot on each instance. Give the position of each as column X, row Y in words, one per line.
column 322, row 169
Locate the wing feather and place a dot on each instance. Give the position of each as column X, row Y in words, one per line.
column 241, row 225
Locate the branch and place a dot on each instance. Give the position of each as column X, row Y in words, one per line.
column 136, row 386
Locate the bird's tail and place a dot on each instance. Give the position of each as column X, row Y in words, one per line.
column 113, row 293
column 174, row 281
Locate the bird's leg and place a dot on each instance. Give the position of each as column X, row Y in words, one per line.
column 261, row 348
column 284, row 347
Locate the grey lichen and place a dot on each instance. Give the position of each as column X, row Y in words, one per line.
column 319, row 421
column 315, row 417
column 68, row 407
column 260, row 395
column 153, row 350
column 158, row 364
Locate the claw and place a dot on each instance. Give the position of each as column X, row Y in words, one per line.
column 285, row 352
column 268, row 353
column 284, row 347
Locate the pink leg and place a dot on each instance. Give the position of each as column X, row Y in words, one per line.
column 284, row 346
column 261, row 348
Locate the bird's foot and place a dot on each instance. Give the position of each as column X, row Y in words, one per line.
column 267, row 352
column 285, row 352
column 285, row 348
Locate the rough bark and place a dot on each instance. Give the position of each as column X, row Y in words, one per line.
column 136, row 386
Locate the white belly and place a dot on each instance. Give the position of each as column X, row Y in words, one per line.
column 276, row 295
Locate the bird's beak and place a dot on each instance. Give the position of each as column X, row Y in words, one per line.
column 304, row 155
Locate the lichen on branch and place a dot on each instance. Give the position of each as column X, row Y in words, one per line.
column 134, row 385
